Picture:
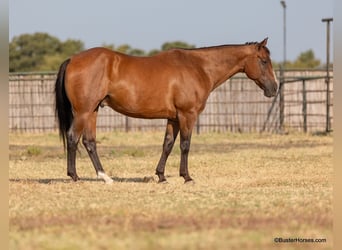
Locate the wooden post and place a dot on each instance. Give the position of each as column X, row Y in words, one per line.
column 305, row 127
column 127, row 125
column 198, row 125
column 281, row 100
column 327, row 80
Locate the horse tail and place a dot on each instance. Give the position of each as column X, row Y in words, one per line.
column 63, row 106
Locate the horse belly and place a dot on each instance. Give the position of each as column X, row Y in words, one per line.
column 135, row 105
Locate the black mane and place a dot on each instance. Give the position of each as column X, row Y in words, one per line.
column 251, row 43
column 254, row 43
column 223, row 46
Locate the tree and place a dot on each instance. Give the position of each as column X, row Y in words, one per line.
column 153, row 52
column 70, row 47
column 171, row 45
column 177, row 44
column 137, row 52
column 306, row 60
column 40, row 51
column 108, row 46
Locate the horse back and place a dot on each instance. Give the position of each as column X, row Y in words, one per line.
column 145, row 87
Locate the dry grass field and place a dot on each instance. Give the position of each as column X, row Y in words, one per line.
column 249, row 189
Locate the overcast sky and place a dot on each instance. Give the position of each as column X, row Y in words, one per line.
column 147, row 24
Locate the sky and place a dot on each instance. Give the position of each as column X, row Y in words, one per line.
column 148, row 24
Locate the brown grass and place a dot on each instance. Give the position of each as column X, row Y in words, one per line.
column 249, row 189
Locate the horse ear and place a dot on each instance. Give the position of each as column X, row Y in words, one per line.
column 263, row 42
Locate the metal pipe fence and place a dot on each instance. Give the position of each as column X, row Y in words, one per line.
column 236, row 106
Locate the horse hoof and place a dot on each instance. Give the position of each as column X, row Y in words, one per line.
column 109, row 181
column 105, row 177
column 74, row 177
column 163, row 182
column 189, row 182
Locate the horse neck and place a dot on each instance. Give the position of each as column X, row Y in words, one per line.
column 222, row 62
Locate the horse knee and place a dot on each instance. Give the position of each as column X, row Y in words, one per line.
column 168, row 143
column 185, row 146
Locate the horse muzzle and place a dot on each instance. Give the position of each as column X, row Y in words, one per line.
column 270, row 92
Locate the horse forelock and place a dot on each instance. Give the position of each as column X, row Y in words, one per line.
column 264, row 47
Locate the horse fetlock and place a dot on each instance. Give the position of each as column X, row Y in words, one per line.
column 186, row 176
column 160, row 176
column 163, row 181
column 73, row 176
column 190, row 181
column 105, row 177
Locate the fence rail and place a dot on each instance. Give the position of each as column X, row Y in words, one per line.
column 237, row 106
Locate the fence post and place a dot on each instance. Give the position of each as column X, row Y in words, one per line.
column 328, row 125
column 305, row 128
column 198, row 125
column 281, row 100
column 127, row 125
column 269, row 113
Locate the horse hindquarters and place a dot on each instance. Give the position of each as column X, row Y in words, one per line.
column 84, row 124
column 76, row 123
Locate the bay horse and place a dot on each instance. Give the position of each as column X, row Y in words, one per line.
column 172, row 85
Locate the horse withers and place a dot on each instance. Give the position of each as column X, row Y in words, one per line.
column 172, row 85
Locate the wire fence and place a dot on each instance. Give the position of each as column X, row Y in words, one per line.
column 236, row 106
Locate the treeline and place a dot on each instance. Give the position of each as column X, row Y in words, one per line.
column 43, row 52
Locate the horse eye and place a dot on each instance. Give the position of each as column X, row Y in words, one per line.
column 263, row 61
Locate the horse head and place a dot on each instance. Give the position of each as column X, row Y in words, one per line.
column 258, row 67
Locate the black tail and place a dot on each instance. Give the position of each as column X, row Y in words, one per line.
column 63, row 105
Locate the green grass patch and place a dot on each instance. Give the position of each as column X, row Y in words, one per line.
column 34, row 151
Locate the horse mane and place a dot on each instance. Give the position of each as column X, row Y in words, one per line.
column 254, row 43
column 251, row 43
column 223, row 46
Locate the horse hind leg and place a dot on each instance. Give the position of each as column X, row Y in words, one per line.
column 73, row 137
column 72, row 141
column 89, row 142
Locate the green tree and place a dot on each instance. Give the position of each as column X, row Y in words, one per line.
column 176, row 44
column 40, row 51
column 124, row 48
column 27, row 51
column 137, row 52
column 108, row 46
column 153, row 52
column 70, row 47
column 306, row 60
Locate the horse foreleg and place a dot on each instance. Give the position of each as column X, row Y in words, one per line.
column 172, row 129
column 89, row 142
column 186, row 123
column 185, row 148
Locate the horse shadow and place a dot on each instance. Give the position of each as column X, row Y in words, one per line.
column 145, row 179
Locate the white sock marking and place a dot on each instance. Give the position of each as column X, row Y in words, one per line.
column 105, row 177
